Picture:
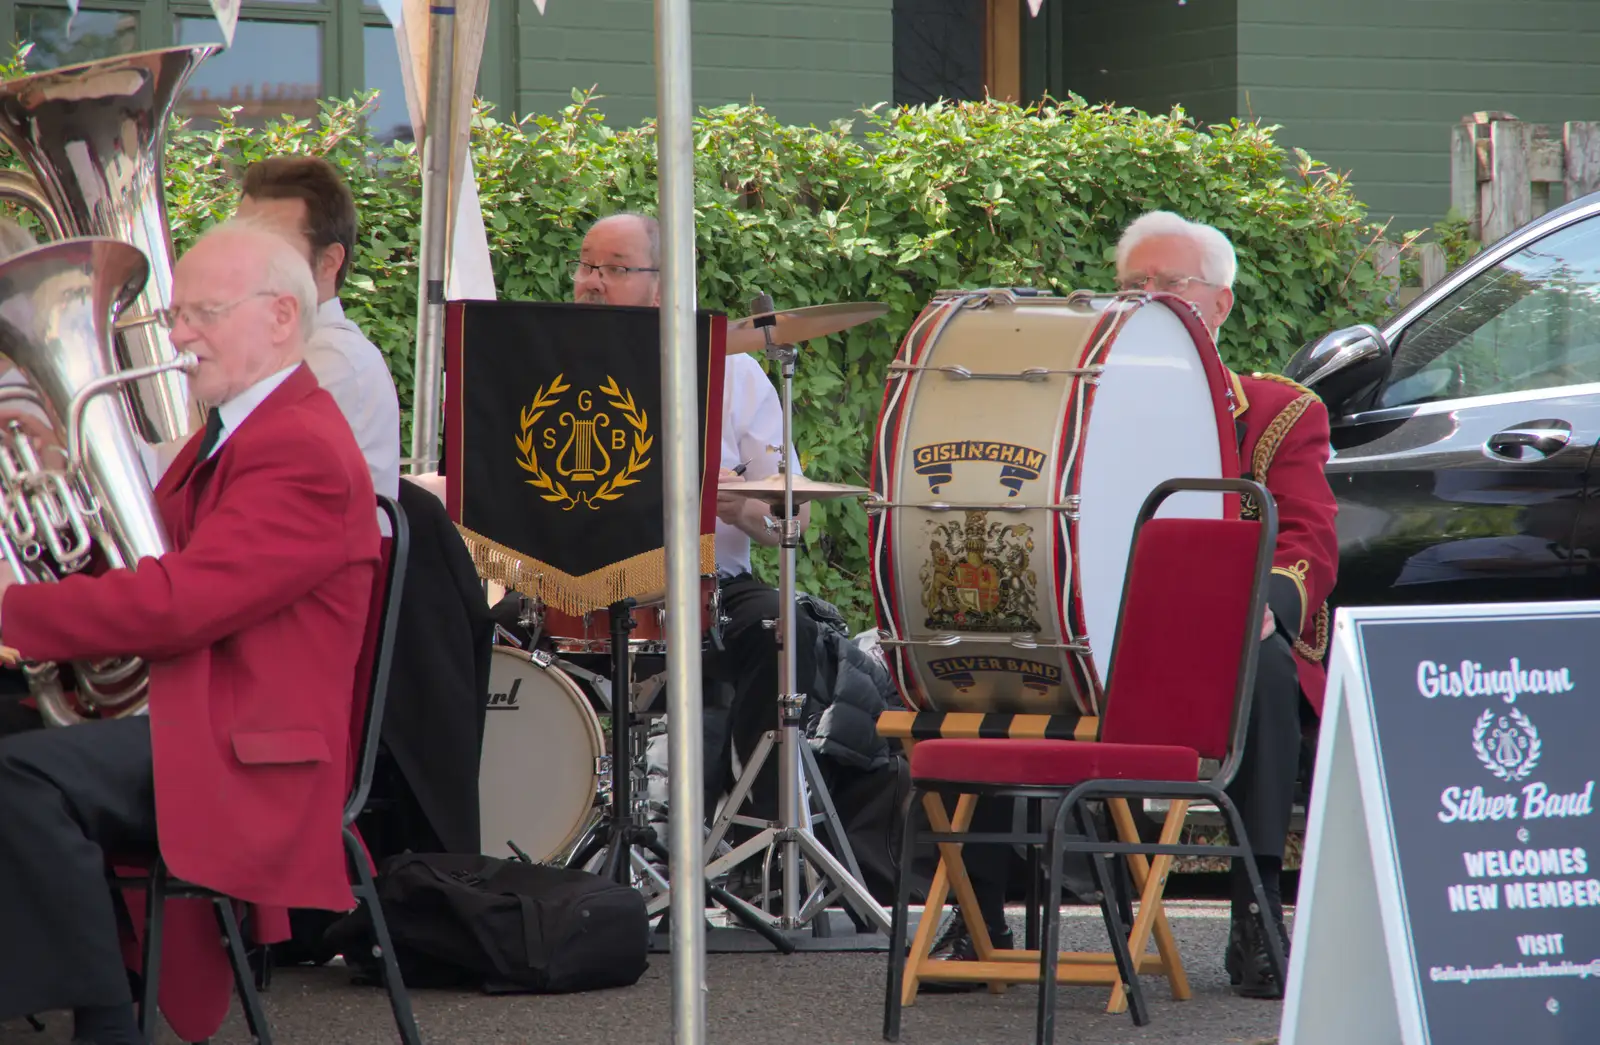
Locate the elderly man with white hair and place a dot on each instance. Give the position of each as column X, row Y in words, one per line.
column 1282, row 430
column 238, row 773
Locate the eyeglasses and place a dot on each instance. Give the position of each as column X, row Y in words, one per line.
column 201, row 316
column 1164, row 284
column 578, row 268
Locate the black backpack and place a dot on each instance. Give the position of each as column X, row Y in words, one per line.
column 510, row 926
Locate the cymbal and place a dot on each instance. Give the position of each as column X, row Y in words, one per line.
column 770, row 490
column 795, row 325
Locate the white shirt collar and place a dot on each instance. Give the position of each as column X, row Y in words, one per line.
column 235, row 410
column 330, row 311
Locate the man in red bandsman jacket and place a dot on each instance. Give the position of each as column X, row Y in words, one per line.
column 1283, row 443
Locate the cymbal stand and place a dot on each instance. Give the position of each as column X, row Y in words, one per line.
column 792, row 835
column 627, row 830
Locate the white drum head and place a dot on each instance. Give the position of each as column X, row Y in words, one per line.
column 1154, row 418
column 537, row 778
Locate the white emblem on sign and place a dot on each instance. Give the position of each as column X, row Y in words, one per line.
column 1507, row 746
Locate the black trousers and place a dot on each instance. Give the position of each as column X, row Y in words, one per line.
column 1263, row 789
column 741, row 686
column 68, row 797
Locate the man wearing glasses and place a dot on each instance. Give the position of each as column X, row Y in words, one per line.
column 619, row 264
column 1283, row 443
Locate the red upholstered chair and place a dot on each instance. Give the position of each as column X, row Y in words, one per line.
column 1179, row 690
column 372, row 667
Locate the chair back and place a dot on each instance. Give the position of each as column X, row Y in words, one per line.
column 377, row 653
column 1183, row 666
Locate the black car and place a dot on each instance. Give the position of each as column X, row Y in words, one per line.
column 1464, row 429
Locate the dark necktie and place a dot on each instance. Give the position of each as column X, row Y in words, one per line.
column 213, row 433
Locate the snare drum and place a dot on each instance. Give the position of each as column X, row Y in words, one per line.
column 544, row 759
column 1018, row 438
column 591, row 632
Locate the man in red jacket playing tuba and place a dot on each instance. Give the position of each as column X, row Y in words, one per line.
column 251, row 627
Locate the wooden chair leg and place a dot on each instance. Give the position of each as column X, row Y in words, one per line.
column 1150, row 879
column 939, row 890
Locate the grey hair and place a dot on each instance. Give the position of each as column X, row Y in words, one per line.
column 14, row 239
column 1218, row 263
column 652, row 230
column 284, row 270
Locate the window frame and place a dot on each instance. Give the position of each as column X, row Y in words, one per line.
column 343, row 54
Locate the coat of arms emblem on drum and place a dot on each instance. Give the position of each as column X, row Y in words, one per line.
column 1508, row 746
column 599, row 454
column 979, row 576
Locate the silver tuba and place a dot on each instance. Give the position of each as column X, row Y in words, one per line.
column 72, row 481
column 93, row 137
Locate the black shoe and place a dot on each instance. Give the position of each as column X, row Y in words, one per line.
column 1247, row 960
column 957, row 946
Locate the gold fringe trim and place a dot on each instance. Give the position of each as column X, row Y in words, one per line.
column 631, row 578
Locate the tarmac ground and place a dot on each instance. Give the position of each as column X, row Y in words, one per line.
column 816, row 998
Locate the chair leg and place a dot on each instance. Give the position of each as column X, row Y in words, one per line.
column 1280, row 962
column 1030, row 924
column 399, row 998
column 1110, row 906
column 150, row 964
column 1149, row 878
column 897, row 925
column 255, row 1017
column 1050, row 932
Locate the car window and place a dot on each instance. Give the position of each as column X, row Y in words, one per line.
column 1530, row 321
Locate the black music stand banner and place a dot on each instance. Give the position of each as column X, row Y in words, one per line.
column 553, row 433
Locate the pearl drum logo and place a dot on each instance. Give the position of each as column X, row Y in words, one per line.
column 599, row 454
column 1018, row 464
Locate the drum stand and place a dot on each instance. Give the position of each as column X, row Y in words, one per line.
column 791, row 835
column 625, row 832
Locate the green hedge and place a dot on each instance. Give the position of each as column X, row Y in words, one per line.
column 892, row 210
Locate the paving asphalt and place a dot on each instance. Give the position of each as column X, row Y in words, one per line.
column 761, row 998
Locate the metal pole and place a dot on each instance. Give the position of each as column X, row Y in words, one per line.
column 681, row 442
column 435, row 251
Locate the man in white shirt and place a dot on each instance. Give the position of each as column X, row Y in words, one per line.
column 308, row 202
column 619, row 264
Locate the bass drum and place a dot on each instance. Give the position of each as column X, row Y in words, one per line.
column 543, row 761
column 1019, row 436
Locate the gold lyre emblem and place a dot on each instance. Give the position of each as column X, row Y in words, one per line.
column 588, row 448
column 584, row 458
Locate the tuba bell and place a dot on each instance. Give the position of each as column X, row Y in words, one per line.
column 73, row 486
column 92, row 137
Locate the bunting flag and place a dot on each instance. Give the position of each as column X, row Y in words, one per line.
column 227, row 12
column 556, row 452
column 1033, row 7
column 540, row 5
column 468, row 273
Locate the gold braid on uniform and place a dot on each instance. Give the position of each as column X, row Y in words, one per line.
column 1261, row 460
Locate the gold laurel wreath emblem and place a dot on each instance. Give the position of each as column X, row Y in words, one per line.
column 642, row 442
column 542, row 400
column 611, row 489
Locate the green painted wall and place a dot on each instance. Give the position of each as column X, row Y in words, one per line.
column 808, row 61
column 1374, row 86
column 1150, row 54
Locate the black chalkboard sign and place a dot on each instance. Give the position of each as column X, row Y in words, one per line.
column 1456, row 777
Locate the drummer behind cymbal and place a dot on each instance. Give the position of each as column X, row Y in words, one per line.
column 1284, row 445
column 620, row 264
